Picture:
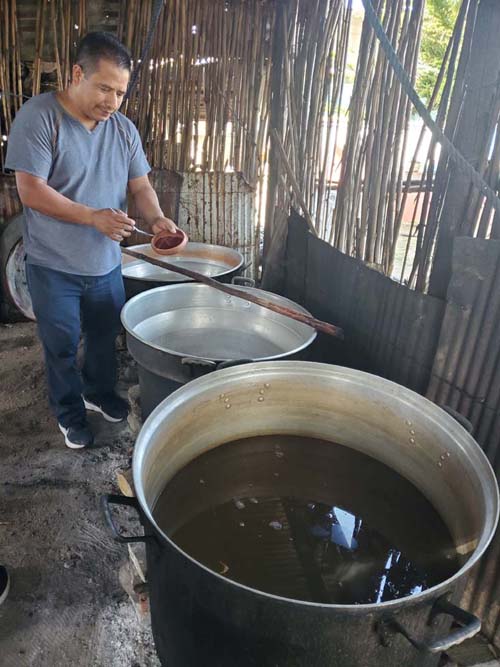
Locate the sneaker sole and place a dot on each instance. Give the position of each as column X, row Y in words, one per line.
column 69, row 444
column 96, row 408
column 3, row 597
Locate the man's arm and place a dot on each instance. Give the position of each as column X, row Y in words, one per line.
column 35, row 193
column 148, row 205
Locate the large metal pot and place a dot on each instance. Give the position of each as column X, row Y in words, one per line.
column 201, row 618
column 179, row 332
column 214, row 261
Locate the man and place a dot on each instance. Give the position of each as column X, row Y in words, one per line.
column 75, row 156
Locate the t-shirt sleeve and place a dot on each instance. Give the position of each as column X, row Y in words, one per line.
column 29, row 145
column 138, row 166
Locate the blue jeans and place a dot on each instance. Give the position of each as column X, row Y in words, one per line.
column 66, row 305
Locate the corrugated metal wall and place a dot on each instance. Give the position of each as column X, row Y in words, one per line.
column 393, row 330
column 466, row 376
column 448, row 350
column 466, row 371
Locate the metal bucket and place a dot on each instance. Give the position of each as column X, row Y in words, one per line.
column 214, row 261
column 179, row 332
column 201, row 618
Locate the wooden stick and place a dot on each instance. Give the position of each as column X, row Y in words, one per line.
column 325, row 327
column 125, row 482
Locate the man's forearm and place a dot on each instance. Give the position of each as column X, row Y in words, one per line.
column 148, row 205
column 41, row 197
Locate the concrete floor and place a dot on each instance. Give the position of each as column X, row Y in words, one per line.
column 66, row 607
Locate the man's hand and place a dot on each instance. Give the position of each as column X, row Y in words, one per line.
column 162, row 224
column 114, row 224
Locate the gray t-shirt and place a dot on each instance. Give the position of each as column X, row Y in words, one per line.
column 88, row 167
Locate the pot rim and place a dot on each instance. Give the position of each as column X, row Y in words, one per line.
column 196, row 387
column 186, row 355
column 181, row 278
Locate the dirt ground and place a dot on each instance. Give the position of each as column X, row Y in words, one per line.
column 66, row 606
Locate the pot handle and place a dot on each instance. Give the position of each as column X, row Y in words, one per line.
column 198, row 361
column 463, row 421
column 192, row 362
column 243, row 281
column 233, row 362
column 470, row 627
column 110, row 499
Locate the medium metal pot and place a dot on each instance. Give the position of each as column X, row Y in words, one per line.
column 214, row 261
column 179, row 332
column 201, row 618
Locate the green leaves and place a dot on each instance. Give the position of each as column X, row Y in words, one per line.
column 439, row 20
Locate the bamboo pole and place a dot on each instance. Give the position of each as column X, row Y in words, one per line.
column 4, row 59
column 293, row 181
column 53, row 18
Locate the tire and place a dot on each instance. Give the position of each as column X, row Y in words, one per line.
column 15, row 301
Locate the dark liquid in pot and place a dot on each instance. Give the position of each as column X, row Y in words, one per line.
column 307, row 519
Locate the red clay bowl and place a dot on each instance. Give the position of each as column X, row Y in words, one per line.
column 166, row 243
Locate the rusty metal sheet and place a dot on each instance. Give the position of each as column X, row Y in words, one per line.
column 220, row 208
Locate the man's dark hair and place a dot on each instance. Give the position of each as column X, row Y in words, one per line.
column 96, row 46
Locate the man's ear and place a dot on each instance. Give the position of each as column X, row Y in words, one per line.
column 76, row 75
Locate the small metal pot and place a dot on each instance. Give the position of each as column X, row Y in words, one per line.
column 201, row 618
column 214, row 261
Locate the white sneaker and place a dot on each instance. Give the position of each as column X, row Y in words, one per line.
column 4, row 583
column 112, row 407
column 77, row 437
